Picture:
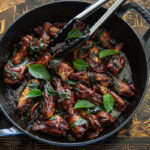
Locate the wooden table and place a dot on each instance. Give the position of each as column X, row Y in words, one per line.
column 134, row 136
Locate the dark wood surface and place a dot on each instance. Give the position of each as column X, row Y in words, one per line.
column 134, row 136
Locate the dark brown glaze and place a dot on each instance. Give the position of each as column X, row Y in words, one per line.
column 63, row 70
column 87, row 76
column 98, row 67
column 104, row 38
column 57, row 126
column 78, row 130
column 23, row 102
column 44, row 59
column 33, row 109
column 49, row 104
column 116, row 64
column 20, row 55
column 81, row 91
column 125, row 89
column 105, row 118
column 14, row 74
column 64, row 103
column 96, row 99
column 119, row 102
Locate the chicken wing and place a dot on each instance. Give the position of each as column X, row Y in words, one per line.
column 56, row 126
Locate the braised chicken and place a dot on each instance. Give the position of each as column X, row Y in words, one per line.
column 72, row 96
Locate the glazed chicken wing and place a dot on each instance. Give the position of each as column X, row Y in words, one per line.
column 13, row 74
column 56, row 126
column 78, row 126
column 49, row 104
column 23, row 102
column 116, row 64
column 82, row 91
column 44, row 59
column 68, row 101
column 63, row 70
column 119, row 102
column 88, row 77
column 20, row 55
column 125, row 89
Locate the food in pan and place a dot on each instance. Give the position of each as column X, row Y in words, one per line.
column 74, row 95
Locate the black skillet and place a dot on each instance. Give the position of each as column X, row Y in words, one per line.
column 64, row 11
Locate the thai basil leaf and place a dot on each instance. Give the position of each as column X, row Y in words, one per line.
column 11, row 64
column 71, row 82
column 108, row 101
column 74, row 34
column 14, row 75
column 34, row 93
column 107, row 52
column 80, row 64
column 39, row 71
column 33, row 86
column 79, row 122
column 83, row 104
column 37, row 48
column 53, row 118
column 93, row 110
column 116, row 85
column 24, row 62
column 50, row 90
column 87, row 47
column 62, row 94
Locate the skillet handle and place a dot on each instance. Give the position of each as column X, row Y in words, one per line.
column 8, row 131
column 142, row 11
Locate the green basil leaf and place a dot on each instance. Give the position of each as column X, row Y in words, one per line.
column 107, row 52
column 108, row 101
column 74, row 34
column 93, row 110
column 63, row 95
column 114, row 80
column 11, row 64
column 87, row 47
column 53, row 117
column 80, row 64
column 34, row 93
column 37, row 48
column 33, row 86
column 39, row 71
column 83, row 104
column 71, row 82
column 24, row 62
column 50, row 90
column 12, row 74
column 79, row 122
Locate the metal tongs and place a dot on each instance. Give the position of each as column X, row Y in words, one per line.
column 78, row 42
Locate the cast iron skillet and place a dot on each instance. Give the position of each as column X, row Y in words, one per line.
column 63, row 11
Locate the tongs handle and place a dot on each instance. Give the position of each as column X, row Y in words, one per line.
column 109, row 12
column 92, row 8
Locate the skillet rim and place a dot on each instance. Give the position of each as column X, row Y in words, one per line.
column 69, row 144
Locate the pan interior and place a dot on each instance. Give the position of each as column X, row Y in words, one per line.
column 56, row 12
